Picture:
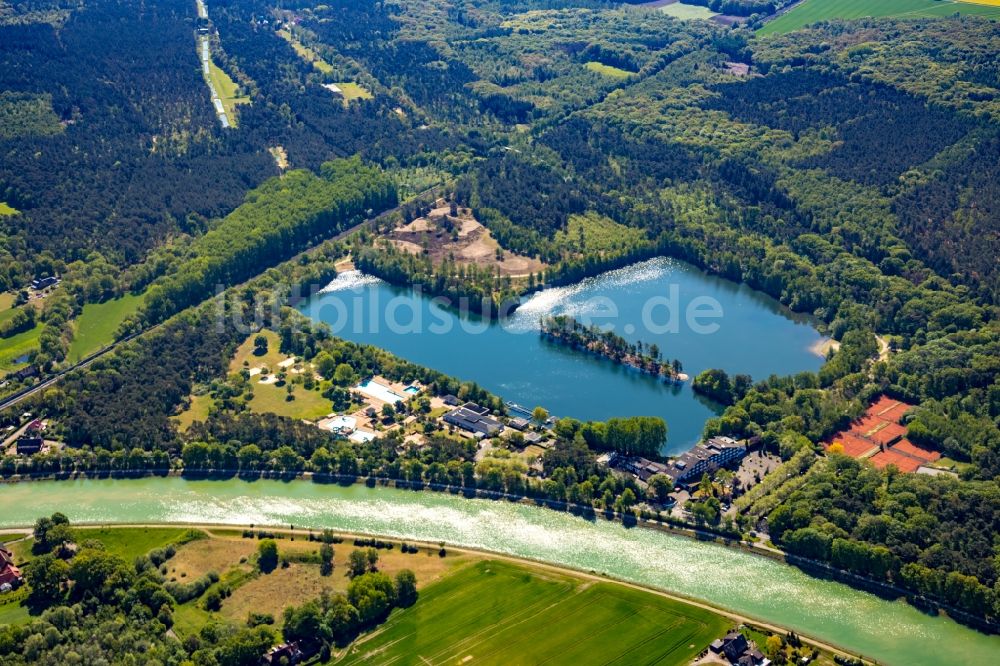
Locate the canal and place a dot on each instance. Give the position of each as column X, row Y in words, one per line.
column 891, row 632
column 703, row 321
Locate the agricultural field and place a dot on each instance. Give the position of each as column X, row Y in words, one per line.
column 608, row 70
column 811, row 11
column 96, row 326
column 500, row 613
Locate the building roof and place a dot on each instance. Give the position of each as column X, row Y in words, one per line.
column 533, row 437
column 713, row 449
column 466, row 419
column 519, row 423
column 476, row 408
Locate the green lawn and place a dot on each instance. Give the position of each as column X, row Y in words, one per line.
column 129, row 542
column 501, row 613
column 608, row 70
column 270, row 398
column 227, row 90
column 16, row 346
column 95, row 327
column 353, row 91
column 306, row 53
column 7, row 209
column 686, row 12
column 200, row 407
column 811, row 11
column 11, row 609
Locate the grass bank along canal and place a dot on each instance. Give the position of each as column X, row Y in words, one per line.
column 859, row 622
column 754, row 334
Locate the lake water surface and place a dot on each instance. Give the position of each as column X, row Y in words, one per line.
column 650, row 301
column 891, row 632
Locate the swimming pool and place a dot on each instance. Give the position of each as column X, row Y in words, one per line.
column 381, row 392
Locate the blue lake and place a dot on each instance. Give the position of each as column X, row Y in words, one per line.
column 703, row 321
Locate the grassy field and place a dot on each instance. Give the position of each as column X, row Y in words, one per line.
column 686, row 12
column 11, row 609
column 231, row 556
column 500, row 613
column 608, row 70
column 129, row 542
column 811, row 11
column 96, row 326
column 306, row 53
column 354, row 91
column 245, row 353
column 227, row 90
column 270, row 398
column 16, row 346
column 6, row 209
column 198, row 411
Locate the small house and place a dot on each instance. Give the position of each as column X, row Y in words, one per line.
column 10, row 575
column 519, row 423
column 31, row 439
column 41, row 283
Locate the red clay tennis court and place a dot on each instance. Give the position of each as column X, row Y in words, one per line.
column 889, row 457
column 911, row 449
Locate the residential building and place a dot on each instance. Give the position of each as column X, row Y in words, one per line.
column 10, row 575
column 44, row 283
column 31, row 440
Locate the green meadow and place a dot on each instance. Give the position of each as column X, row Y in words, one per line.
column 687, row 12
column 96, row 326
column 812, row 11
column 16, row 347
column 494, row 612
column 354, row 91
column 608, row 70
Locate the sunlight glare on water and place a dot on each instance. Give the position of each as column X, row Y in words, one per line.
column 891, row 632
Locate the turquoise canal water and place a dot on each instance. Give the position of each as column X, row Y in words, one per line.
column 891, row 632
column 731, row 327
